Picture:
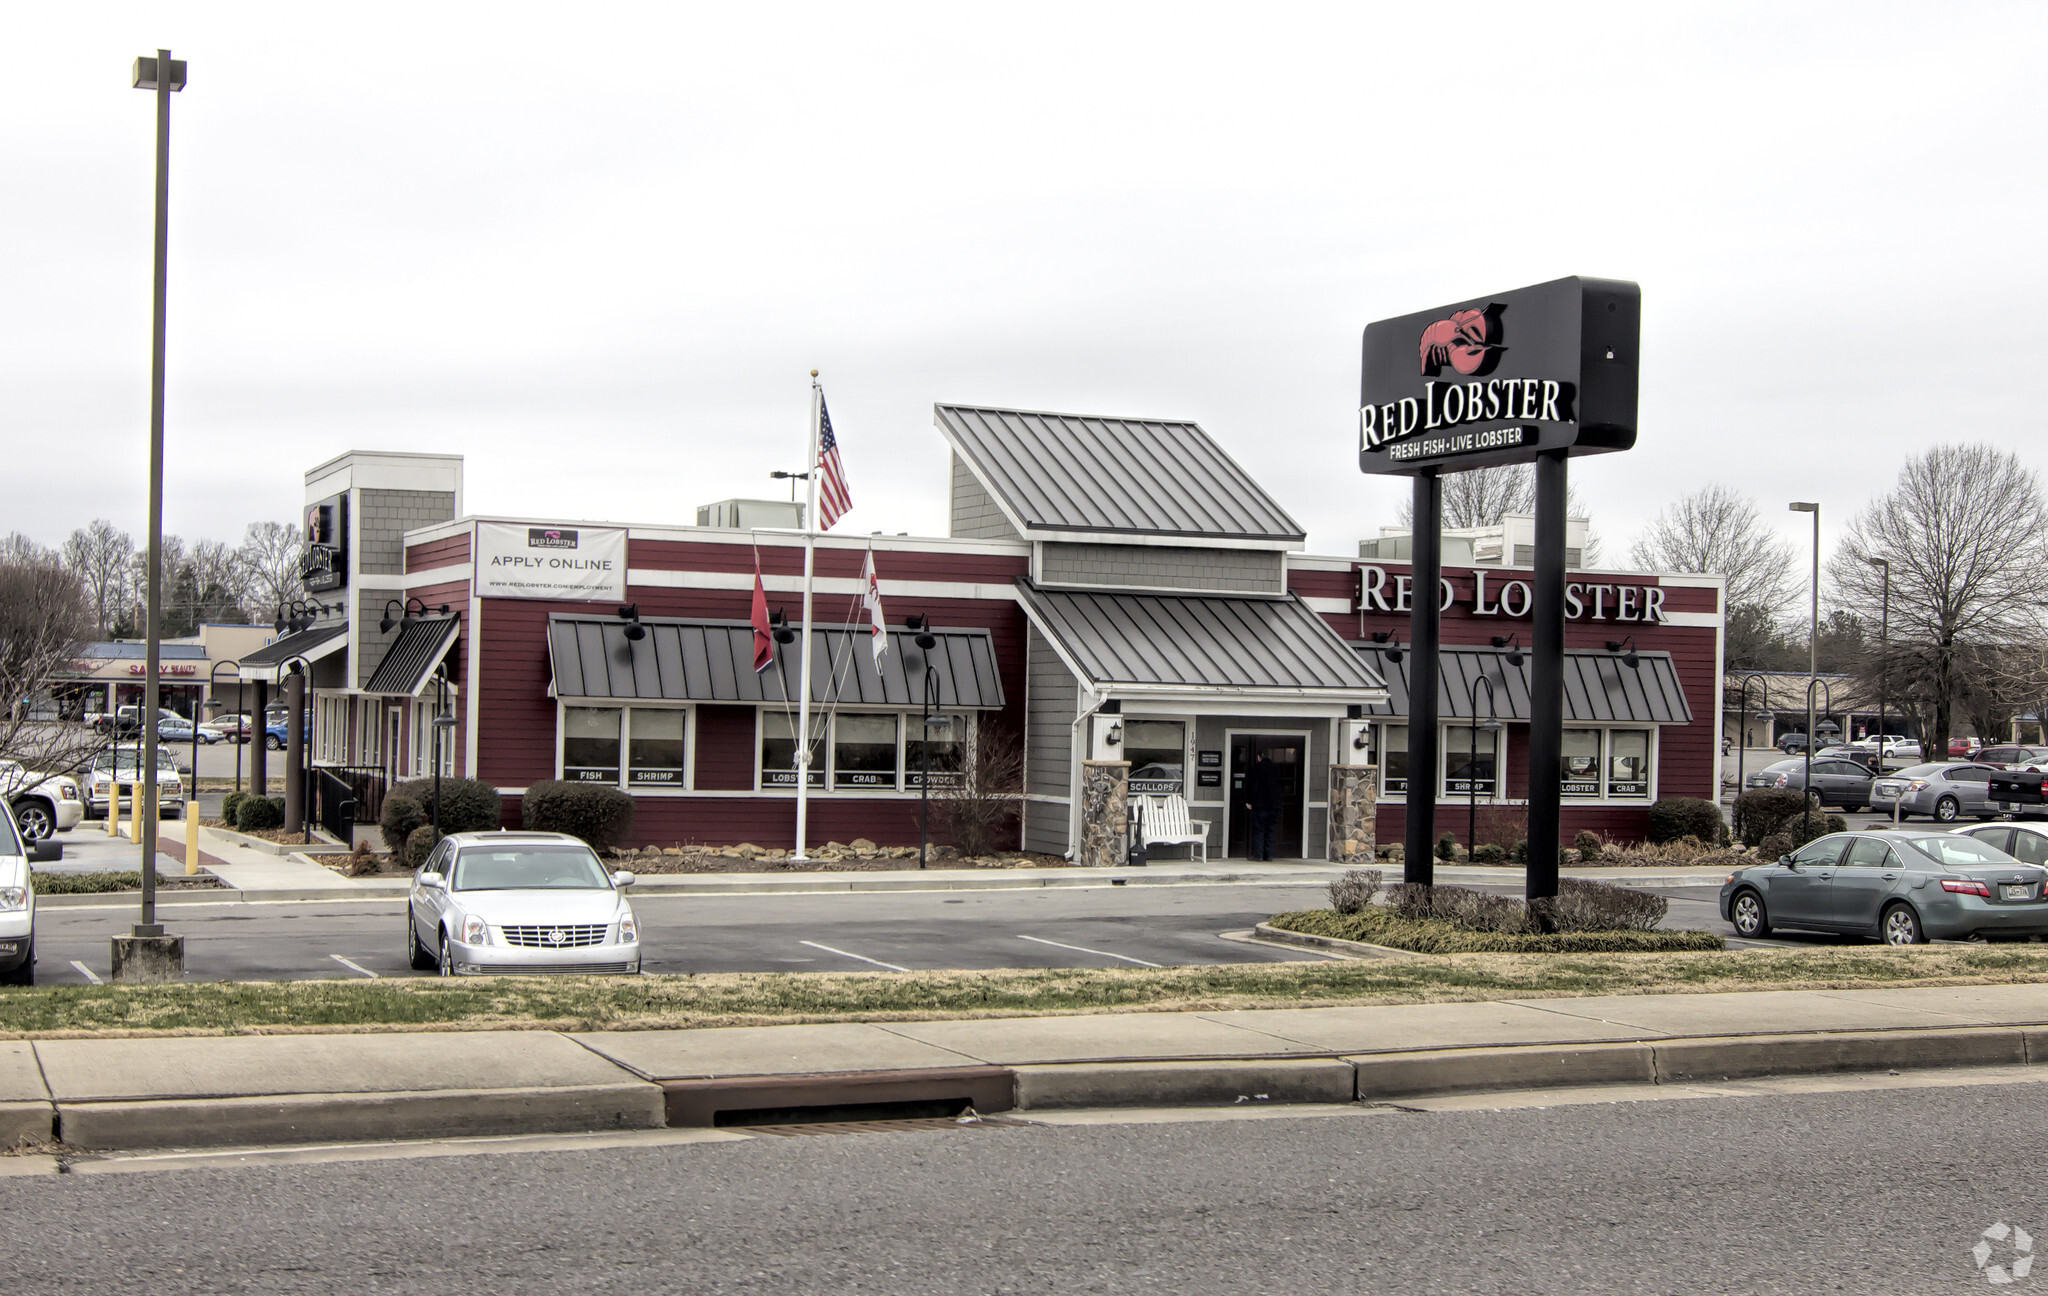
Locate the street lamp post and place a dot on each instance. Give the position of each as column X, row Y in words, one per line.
column 1813, row 627
column 213, row 686
column 1492, row 730
column 442, row 720
column 147, row 953
column 1742, row 700
column 1884, row 661
column 925, row 641
column 1828, row 695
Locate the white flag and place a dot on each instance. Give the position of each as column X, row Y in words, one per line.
column 871, row 599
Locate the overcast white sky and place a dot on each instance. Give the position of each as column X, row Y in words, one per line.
column 596, row 248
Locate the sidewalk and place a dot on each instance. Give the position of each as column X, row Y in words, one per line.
column 219, row 1091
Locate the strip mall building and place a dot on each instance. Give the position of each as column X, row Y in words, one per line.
column 1112, row 589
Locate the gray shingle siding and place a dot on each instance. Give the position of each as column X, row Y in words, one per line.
column 1253, row 571
column 975, row 515
column 382, row 517
column 372, row 643
column 1052, row 701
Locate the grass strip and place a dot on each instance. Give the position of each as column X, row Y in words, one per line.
column 48, row 884
column 775, row 998
column 1379, row 925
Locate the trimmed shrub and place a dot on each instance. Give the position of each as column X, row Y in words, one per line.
column 259, row 814
column 419, row 845
column 1587, row 843
column 1675, row 818
column 1581, row 905
column 1803, row 830
column 1761, row 812
column 228, row 804
column 467, row 805
column 1459, row 907
column 1355, row 890
column 1447, row 847
column 401, row 815
column 1380, row 925
column 1520, row 853
column 1774, row 847
column 1488, row 853
column 599, row 815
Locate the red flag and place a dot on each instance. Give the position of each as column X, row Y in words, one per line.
column 764, row 638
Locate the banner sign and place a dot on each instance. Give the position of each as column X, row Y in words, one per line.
column 1502, row 378
column 545, row 562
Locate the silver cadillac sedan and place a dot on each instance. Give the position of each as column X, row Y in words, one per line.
column 1903, row 887
column 519, row 902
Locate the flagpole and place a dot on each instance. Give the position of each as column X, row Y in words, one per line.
column 803, row 656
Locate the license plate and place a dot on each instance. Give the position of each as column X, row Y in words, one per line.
column 2017, row 892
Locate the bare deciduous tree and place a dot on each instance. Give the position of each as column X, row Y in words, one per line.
column 979, row 808
column 1481, row 497
column 1957, row 584
column 100, row 556
column 43, row 617
column 270, row 554
column 1719, row 530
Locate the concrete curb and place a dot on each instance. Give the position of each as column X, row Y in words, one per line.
column 1185, row 1083
column 1354, row 949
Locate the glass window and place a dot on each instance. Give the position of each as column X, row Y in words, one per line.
column 1394, row 753
column 1628, row 763
column 1958, row 850
column 945, row 739
column 864, row 751
column 1825, row 851
column 1995, row 838
column 778, row 750
column 1868, row 852
column 532, row 868
column 1157, row 751
column 1471, row 759
column 1969, row 774
column 1581, row 763
column 423, row 738
column 2029, row 846
column 590, row 744
column 654, row 746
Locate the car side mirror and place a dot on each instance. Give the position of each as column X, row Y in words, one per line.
column 46, row 852
column 623, row 879
column 1787, row 861
column 430, row 879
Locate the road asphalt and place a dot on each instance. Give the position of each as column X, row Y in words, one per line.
column 1811, row 1188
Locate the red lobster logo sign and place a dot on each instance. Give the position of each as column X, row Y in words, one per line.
column 1469, row 342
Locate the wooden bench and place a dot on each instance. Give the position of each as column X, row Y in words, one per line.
column 1166, row 822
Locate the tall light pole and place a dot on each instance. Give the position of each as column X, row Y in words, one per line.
column 1813, row 623
column 1884, row 659
column 146, row 954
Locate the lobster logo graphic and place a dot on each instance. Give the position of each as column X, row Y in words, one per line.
column 1469, row 342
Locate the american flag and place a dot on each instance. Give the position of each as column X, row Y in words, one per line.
column 834, row 499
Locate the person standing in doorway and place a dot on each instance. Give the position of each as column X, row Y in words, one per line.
column 1262, row 796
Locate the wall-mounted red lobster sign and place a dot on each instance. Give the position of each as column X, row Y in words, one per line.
column 1501, row 378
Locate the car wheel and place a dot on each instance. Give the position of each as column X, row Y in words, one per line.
column 273, row 743
column 34, row 819
column 26, row 973
column 1748, row 914
column 1947, row 809
column 415, row 953
column 1901, row 926
column 446, row 962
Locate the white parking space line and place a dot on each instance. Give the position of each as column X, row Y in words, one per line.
column 850, row 954
column 1083, row 949
column 85, row 972
column 350, row 963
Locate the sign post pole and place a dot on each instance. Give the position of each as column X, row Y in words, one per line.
column 1546, row 679
column 1418, row 866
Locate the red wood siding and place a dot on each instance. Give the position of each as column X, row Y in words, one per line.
column 445, row 552
column 788, row 560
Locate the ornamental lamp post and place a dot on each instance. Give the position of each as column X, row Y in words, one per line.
column 1492, row 731
column 926, row 641
column 213, row 686
column 1884, row 662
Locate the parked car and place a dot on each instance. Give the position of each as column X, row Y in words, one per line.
column 181, row 731
column 125, row 721
column 43, row 804
column 1841, row 783
column 1791, row 742
column 1897, row 747
column 170, row 788
column 1840, row 751
column 1904, row 888
column 2027, row 843
column 17, row 907
column 2013, row 757
column 1945, row 791
column 519, row 902
column 237, row 727
column 274, row 735
column 1964, row 746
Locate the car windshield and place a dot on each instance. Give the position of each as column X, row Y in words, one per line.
column 1956, row 851
column 1782, row 766
column 129, row 761
column 529, row 868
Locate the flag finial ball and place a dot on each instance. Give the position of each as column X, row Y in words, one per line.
column 814, row 373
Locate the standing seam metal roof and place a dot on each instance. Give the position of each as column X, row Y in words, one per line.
column 1074, row 472
column 1195, row 640
column 420, row 647
column 713, row 661
column 1598, row 689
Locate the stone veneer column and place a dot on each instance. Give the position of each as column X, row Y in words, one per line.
column 1354, row 795
column 1105, row 830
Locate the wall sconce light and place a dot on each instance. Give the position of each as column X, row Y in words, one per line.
column 634, row 630
column 922, row 624
column 1628, row 658
column 1513, row 645
column 1115, row 734
column 409, row 611
column 1394, row 651
column 778, row 625
column 1362, row 739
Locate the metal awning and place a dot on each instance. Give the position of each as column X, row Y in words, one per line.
column 411, row 659
column 1242, row 645
column 713, row 661
column 267, row 663
column 1598, row 688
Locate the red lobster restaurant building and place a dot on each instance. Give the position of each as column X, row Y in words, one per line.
column 1112, row 589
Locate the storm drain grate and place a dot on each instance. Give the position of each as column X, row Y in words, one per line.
column 900, row 1125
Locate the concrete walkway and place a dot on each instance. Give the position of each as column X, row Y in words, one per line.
column 216, row 1091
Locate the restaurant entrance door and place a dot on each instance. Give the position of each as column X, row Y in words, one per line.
column 1287, row 752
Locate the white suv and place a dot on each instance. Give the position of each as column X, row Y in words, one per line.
column 44, row 804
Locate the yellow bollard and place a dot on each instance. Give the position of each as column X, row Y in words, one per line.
column 192, row 827
column 114, row 808
column 135, row 800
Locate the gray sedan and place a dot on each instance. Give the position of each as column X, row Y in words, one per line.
column 1902, row 887
column 1841, row 783
column 1945, row 791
